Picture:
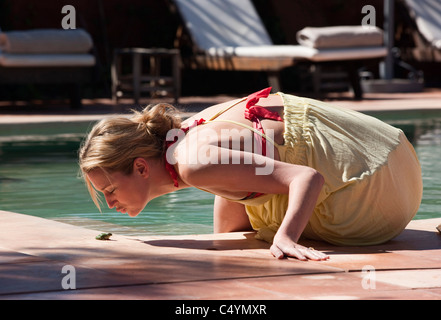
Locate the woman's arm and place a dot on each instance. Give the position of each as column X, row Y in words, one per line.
column 301, row 183
column 302, row 200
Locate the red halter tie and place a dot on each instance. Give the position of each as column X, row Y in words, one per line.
column 254, row 113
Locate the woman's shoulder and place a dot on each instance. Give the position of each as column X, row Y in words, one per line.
column 233, row 109
column 208, row 112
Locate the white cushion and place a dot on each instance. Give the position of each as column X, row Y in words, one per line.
column 46, row 60
column 427, row 15
column 340, row 36
column 46, row 41
column 223, row 23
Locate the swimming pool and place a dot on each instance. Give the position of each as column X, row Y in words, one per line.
column 39, row 176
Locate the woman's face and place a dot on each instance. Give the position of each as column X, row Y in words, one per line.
column 127, row 193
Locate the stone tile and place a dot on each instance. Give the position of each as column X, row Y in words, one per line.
column 220, row 266
column 179, row 268
column 34, row 277
column 30, row 277
column 418, row 246
column 412, row 279
column 325, row 286
column 436, row 292
column 337, row 286
column 11, row 256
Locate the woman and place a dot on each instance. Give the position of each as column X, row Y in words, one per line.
column 283, row 165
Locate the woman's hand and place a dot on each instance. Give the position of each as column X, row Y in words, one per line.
column 284, row 246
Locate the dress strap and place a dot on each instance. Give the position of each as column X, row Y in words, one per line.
column 226, row 109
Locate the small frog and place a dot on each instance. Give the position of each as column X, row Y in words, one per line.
column 439, row 228
column 103, row 236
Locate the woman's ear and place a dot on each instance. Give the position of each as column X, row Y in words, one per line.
column 141, row 167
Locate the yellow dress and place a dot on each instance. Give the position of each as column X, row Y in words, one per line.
column 373, row 183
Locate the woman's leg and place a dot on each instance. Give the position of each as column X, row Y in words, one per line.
column 229, row 216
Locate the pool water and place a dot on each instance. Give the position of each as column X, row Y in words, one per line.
column 39, row 176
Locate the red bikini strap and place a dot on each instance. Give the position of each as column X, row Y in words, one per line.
column 252, row 110
column 254, row 113
column 253, row 98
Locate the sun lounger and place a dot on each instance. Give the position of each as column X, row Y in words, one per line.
column 426, row 15
column 229, row 35
column 44, row 56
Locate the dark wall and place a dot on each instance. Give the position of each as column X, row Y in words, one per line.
column 151, row 23
column 112, row 23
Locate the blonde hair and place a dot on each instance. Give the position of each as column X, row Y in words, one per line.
column 114, row 143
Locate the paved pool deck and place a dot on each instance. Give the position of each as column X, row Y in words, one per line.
column 40, row 258
column 96, row 109
column 43, row 259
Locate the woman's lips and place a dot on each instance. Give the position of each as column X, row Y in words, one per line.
column 122, row 210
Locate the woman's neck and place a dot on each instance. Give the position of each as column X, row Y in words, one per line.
column 161, row 179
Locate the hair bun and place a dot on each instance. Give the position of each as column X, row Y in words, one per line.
column 158, row 119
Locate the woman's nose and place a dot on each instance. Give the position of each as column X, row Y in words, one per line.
column 110, row 201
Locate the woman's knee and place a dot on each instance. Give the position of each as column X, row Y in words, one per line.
column 229, row 216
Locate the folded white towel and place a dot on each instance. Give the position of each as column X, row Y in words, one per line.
column 340, row 37
column 299, row 52
column 46, row 41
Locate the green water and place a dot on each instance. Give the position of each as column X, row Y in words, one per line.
column 39, row 176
